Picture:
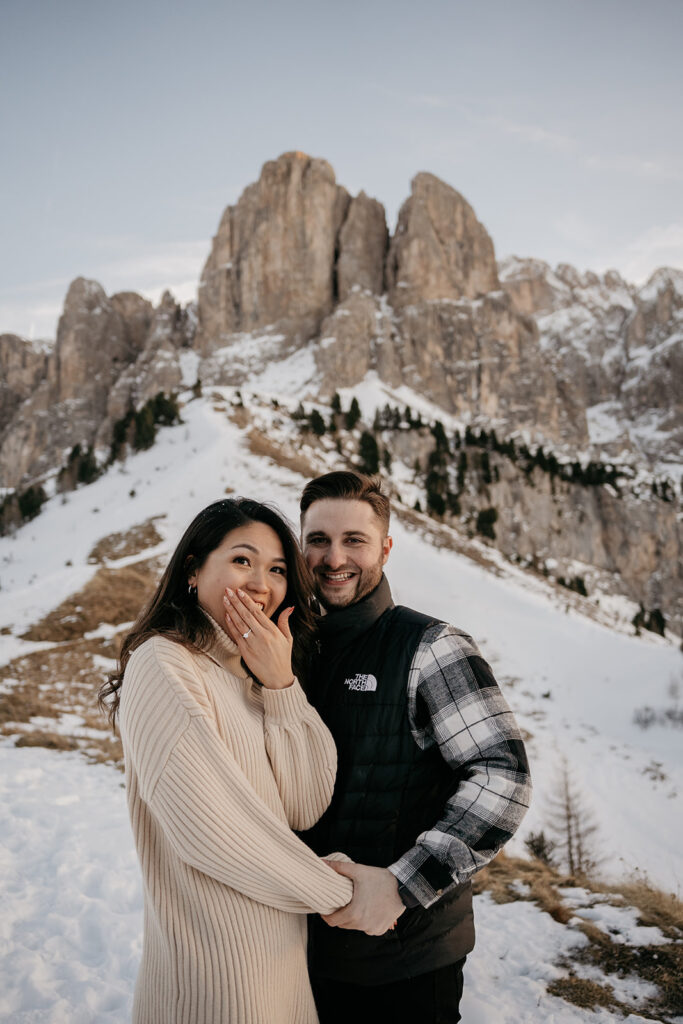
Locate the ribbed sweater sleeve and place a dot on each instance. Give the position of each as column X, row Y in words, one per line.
column 209, row 813
column 302, row 753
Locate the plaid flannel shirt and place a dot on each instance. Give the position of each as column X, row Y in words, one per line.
column 454, row 702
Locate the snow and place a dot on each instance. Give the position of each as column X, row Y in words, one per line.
column 604, row 425
column 662, row 279
column 292, row 376
column 70, row 923
column 189, row 364
column 620, row 923
column 506, row 975
column 71, row 896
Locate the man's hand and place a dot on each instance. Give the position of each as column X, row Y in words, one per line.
column 376, row 904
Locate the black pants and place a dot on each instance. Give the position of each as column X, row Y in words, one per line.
column 432, row 998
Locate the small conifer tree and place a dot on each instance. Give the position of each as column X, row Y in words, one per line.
column 369, row 453
column 353, row 415
column 316, row 423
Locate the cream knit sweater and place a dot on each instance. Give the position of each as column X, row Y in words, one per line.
column 218, row 772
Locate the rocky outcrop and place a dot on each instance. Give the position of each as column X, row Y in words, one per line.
column 616, row 350
column 631, row 544
column 93, row 345
column 272, row 261
column 363, row 242
column 76, row 385
column 23, row 366
column 482, row 360
column 157, row 367
column 357, row 338
column 653, row 379
column 440, row 250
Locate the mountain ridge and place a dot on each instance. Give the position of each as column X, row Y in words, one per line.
column 304, row 284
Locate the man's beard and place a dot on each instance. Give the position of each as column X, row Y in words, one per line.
column 365, row 582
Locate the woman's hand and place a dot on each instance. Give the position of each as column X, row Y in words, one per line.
column 267, row 648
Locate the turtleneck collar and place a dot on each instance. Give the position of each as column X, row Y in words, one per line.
column 223, row 651
column 341, row 625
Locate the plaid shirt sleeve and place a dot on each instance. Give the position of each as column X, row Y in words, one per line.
column 454, row 702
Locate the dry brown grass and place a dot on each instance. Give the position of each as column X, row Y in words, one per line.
column 51, row 740
column 660, row 965
column 48, row 684
column 261, row 445
column 112, row 596
column 130, row 542
column 502, row 876
column 580, row 992
column 658, row 909
column 64, row 679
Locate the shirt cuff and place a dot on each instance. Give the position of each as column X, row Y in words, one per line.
column 422, row 879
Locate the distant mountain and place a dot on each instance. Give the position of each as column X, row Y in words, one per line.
column 615, row 350
column 568, row 375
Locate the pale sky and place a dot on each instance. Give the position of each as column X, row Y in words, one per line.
column 127, row 127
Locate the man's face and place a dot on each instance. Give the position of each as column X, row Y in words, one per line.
column 344, row 544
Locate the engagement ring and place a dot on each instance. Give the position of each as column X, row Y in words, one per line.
column 245, row 635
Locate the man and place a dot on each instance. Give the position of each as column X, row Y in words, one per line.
column 432, row 777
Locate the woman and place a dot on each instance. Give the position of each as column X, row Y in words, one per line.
column 222, row 762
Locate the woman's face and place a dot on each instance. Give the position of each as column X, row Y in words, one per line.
column 250, row 558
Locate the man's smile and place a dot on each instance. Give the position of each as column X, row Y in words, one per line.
column 335, row 577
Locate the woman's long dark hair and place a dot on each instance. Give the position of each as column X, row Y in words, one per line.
column 175, row 613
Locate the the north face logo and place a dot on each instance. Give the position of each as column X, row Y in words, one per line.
column 361, row 682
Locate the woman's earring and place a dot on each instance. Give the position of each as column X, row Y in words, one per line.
column 192, row 589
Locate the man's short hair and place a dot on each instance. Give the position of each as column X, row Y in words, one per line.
column 348, row 486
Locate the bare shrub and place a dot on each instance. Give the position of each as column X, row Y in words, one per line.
column 573, row 826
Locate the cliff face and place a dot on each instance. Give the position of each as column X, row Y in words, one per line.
column 616, row 349
column 298, row 266
column 272, row 260
column 110, row 353
column 446, row 327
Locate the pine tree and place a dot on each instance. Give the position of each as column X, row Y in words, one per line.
column 31, row 501
column 316, row 423
column 485, row 468
column 439, row 435
column 145, row 431
column 462, row 469
column 353, row 415
column 87, row 467
column 369, row 453
column 165, row 409
column 485, row 522
column 541, row 847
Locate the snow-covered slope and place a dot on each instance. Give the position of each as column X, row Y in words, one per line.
column 70, row 924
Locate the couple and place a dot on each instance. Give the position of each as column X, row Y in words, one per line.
column 229, row 720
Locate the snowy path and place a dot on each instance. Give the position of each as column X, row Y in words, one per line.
column 71, row 910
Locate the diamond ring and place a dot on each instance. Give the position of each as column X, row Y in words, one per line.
column 245, row 635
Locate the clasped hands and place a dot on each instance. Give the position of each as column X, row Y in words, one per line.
column 267, row 651
column 375, row 905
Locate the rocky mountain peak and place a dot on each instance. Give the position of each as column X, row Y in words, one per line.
column 272, row 260
column 440, row 250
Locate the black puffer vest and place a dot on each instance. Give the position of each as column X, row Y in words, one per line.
column 387, row 791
